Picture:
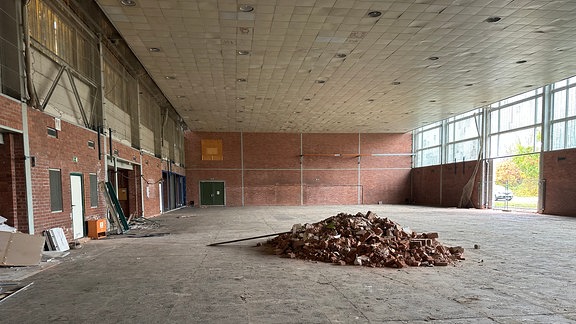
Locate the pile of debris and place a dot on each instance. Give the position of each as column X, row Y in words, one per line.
column 366, row 240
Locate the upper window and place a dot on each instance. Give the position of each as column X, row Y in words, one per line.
column 212, row 150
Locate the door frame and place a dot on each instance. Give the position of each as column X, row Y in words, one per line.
column 211, row 181
column 83, row 208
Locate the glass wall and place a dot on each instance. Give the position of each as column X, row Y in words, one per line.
column 514, row 126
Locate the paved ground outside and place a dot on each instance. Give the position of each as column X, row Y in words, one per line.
column 523, row 272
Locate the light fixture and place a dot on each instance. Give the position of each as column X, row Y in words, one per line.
column 180, row 96
column 432, row 100
column 246, row 8
column 374, row 14
column 469, row 84
column 521, row 61
column 240, row 98
column 243, row 52
column 154, row 49
column 128, row 3
column 320, row 81
column 492, row 19
column 433, row 58
column 396, row 83
column 240, row 80
column 340, row 55
column 169, row 77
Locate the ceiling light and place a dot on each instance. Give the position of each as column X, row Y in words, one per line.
column 521, row 61
column 432, row 100
column 244, row 30
column 246, row 8
column 374, row 14
column 154, row 49
column 320, row 81
column 241, row 80
column 181, row 96
column 340, row 55
column 396, row 83
column 243, row 52
column 169, row 77
column 433, row 58
column 492, row 19
column 240, row 98
column 128, row 3
column 468, row 84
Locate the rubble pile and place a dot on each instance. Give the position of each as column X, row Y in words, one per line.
column 366, row 240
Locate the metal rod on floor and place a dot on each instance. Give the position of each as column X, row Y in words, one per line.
column 249, row 238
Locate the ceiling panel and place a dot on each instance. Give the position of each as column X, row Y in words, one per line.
column 329, row 66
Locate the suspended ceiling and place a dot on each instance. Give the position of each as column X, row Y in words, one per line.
column 328, row 66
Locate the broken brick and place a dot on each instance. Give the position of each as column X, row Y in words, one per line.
column 366, row 240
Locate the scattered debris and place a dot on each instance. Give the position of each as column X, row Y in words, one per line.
column 6, row 228
column 143, row 223
column 365, row 240
column 8, row 289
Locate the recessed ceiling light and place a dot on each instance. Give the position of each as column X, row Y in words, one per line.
column 154, row 49
column 241, row 80
column 307, row 99
column 374, row 14
column 169, row 77
column 340, row 55
column 243, row 52
column 521, row 61
column 492, row 19
column 240, row 98
column 320, row 81
column 396, row 83
column 246, row 8
column 433, row 58
column 181, row 96
column 128, row 3
column 244, row 30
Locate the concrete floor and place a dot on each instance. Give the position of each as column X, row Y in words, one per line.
column 524, row 271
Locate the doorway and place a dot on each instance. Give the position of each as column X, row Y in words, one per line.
column 76, row 194
column 515, row 182
column 212, row 193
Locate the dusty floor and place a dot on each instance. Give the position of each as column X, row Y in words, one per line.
column 523, row 272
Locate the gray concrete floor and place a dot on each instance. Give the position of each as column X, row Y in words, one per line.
column 524, row 272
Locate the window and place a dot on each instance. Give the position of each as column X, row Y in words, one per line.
column 93, row 190
column 52, row 132
column 55, row 190
column 63, row 37
column 9, row 53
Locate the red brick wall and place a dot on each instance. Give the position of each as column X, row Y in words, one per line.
column 11, row 113
column 58, row 153
column 12, row 182
column 275, row 174
column 442, row 185
column 558, row 171
column 151, row 174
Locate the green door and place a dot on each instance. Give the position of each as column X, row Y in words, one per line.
column 212, row 193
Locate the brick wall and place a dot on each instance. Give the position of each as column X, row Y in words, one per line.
column 442, row 185
column 12, row 182
column 71, row 154
column 151, row 175
column 334, row 168
column 11, row 115
column 558, row 171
